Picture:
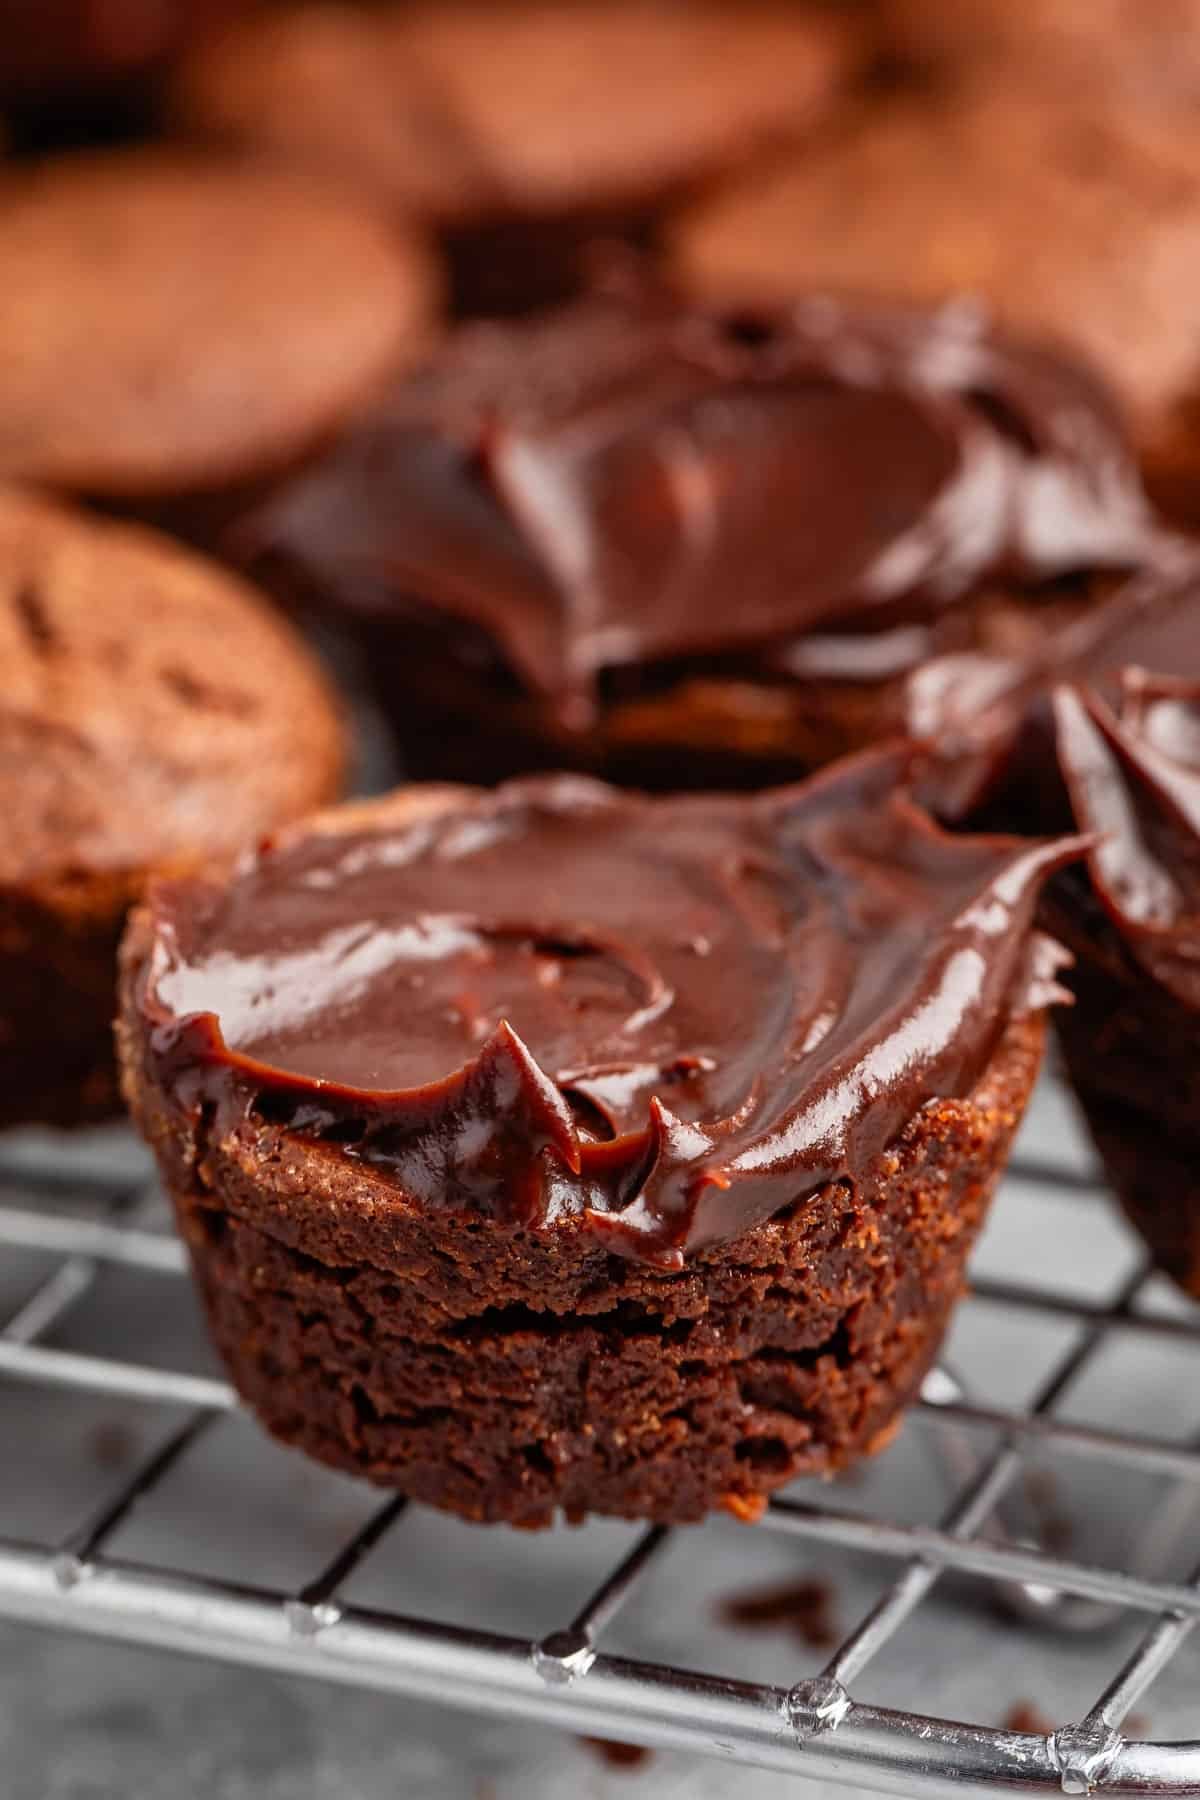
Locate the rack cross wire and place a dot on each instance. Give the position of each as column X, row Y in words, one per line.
column 566, row 1678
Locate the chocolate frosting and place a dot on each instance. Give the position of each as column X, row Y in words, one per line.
column 1134, row 780
column 634, row 481
column 670, row 1017
column 983, row 715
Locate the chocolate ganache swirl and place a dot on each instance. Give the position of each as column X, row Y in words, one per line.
column 1134, row 780
column 984, row 716
column 672, row 1017
column 634, row 481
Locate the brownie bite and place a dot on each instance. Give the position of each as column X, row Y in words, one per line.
column 153, row 711
column 175, row 329
column 1078, row 220
column 558, row 1147
column 523, row 132
column 1131, row 915
column 687, row 546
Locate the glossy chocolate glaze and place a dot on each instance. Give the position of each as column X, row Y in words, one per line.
column 634, row 482
column 672, row 1017
column 987, row 717
column 1134, row 779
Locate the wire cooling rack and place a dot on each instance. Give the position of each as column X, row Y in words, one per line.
column 68, row 1226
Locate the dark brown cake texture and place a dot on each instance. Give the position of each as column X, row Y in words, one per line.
column 523, row 132
column 1132, row 918
column 1066, row 217
column 173, row 327
column 557, row 1147
column 153, row 711
column 702, row 547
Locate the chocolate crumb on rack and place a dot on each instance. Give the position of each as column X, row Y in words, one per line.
column 1024, row 1715
column 616, row 1753
column 804, row 1608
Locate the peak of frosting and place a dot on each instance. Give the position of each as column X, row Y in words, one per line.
column 1133, row 776
column 636, row 480
column 982, row 715
column 671, row 1017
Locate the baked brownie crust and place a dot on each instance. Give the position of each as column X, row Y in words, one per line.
column 506, row 1375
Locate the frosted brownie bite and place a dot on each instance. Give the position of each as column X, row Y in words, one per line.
column 687, row 546
column 557, row 1147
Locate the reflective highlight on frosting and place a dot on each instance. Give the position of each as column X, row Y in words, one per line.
column 1134, row 779
column 986, row 716
column 634, row 482
column 670, row 1017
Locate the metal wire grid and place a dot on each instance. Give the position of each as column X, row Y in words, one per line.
column 814, row 1728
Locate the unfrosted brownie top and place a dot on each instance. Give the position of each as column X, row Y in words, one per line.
column 154, row 707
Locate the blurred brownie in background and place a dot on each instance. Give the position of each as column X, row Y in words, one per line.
column 687, row 546
column 524, row 132
column 72, row 70
column 153, row 712
column 1131, row 916
column 1116, row 52
column 1081, row 222
column 174, row 331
